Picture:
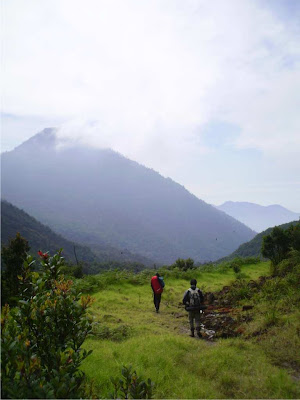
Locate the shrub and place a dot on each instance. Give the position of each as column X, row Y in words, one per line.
column 236, row 268
column 118, row 334
column 43, row 335
column 183, row 265
column 289, row 265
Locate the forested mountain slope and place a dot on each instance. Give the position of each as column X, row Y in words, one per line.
column 41, row 237
column 253, row 247
column 98, row 196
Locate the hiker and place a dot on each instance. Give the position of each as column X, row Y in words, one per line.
column 157, row 284
column 192, row 300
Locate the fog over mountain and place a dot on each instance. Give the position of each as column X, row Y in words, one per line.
column 258, row 217
column 98, row 196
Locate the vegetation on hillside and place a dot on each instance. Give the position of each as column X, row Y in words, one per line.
column 277, row 245
column 253, row 247
column 258, row 358
column 40, row 236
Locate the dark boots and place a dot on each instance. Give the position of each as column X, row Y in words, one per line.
column 192, row 334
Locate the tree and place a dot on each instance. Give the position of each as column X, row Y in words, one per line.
column 184, row 265
column 42, row 337
column 180, row 263
column 13, row 257
column 294, row 232
column 276, row 245
column 189, row 263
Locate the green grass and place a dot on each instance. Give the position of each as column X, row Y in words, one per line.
column 158, row 345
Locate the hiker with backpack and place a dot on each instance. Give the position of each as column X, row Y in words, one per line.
column 157, row 285
column 192, row 299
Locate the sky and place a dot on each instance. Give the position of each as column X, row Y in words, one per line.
column 204, row 92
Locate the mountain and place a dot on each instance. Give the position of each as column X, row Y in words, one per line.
column 41, row 237
column 253, row 247
column 97, row 196
column 258, row 217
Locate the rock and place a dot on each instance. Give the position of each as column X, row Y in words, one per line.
column 207, row 334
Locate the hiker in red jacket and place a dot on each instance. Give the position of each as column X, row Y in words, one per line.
column 157, row 284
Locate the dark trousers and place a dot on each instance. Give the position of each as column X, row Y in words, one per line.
column 156, row 300
column 194, row 315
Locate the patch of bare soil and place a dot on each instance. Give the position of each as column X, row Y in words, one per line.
column 219, row 319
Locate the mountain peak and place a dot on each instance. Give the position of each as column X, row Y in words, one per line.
column 46, row 139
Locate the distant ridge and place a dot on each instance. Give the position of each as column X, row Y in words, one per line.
column 253, row 247
column 258, row 217
column 98, row 196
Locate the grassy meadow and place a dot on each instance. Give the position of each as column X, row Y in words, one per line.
column 127, row 331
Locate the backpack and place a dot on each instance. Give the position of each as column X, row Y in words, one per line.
column 156, row 285
column 161, row 281
column 195, row 300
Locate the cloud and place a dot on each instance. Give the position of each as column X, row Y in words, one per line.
column 151, row 75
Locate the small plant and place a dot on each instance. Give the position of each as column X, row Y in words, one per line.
column 131, row 386
column 272, row 317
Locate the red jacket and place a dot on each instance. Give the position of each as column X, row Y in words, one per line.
column 156, row 286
